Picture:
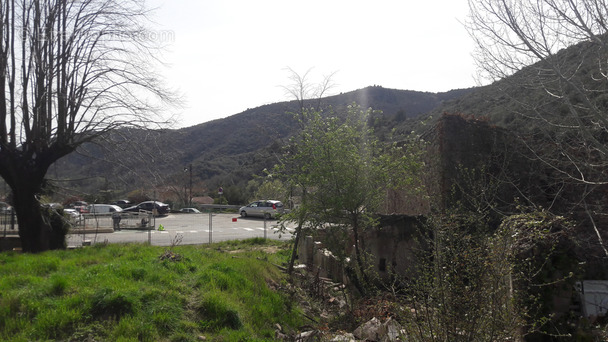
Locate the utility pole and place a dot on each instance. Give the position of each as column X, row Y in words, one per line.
column 190, row 198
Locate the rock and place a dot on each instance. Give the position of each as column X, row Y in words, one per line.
column 369, row 331
column 308, row 336
column 279, row 336
column 348, row 337
column 391, row 331
column 278, row 333
column 375, row 330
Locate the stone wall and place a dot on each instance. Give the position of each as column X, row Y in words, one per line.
column 390, row 248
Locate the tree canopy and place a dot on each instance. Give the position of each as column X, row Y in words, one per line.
column 340, row 173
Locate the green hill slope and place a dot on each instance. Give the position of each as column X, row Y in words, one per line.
column 225, row 152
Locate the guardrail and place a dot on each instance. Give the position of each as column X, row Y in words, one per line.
column 207, row 207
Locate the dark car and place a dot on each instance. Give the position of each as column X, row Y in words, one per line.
column 161, row 208
column 122, row 203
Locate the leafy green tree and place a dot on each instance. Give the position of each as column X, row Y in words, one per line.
column 341, row 172
column 271, row 189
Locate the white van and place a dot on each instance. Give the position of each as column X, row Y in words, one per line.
column 104, row 208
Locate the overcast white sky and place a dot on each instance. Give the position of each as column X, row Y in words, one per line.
column 225, row 56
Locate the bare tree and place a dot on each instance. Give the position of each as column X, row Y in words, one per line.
column 71, row 71
column 557, row 50
column 531, row 35
column 302, row 90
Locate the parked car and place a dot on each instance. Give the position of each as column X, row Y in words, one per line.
column 267, row 209
column 161, row 208
column 189, row 210
column 104, row 208
column 74, row 215
column 81, row 206
column 123, row 203
column 5, row 208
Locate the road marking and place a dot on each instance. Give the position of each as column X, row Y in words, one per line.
column 270, row 229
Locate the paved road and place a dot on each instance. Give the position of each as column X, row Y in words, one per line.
column 187, row 229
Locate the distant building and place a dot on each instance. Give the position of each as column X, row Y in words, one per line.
column 201, row 200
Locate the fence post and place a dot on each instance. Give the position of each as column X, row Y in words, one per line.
column 265, row 228
column 210, row 226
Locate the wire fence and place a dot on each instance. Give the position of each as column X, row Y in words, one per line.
column 211, row 225
column 8, row 221
column 116, row 221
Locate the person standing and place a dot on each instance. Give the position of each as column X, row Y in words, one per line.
column 116, row 220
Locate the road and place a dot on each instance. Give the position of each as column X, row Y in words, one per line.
column 189, row 229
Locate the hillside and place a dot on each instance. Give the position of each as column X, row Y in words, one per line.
column 225, row 152
column 520, row 101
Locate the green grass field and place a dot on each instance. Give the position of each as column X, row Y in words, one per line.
column 144, row 293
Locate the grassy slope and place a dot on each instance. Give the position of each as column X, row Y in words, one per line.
column 143, row 293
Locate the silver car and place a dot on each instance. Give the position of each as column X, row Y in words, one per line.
column 266, row 209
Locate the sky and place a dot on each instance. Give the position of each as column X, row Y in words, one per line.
column 225, row 56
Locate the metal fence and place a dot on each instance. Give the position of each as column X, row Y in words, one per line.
column 186, row 229
column 8, row 221
column 214, row 224
column 122, row 220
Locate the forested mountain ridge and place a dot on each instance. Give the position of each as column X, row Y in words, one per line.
column 229, row 152
column 224, row 152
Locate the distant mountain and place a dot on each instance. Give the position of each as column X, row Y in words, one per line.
column 226, row 152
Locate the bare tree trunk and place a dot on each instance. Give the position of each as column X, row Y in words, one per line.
column 34, row 234
column 294, row 251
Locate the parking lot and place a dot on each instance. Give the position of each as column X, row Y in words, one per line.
column 188, row 229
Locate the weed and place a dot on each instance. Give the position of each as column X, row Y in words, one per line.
column 107, row 303
column 55, row 324
column 59, row 284
column 182, row 337
column 134, row 329
column 91, row 332
column 171, row 256
column 138, row 273
column 217, row 314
